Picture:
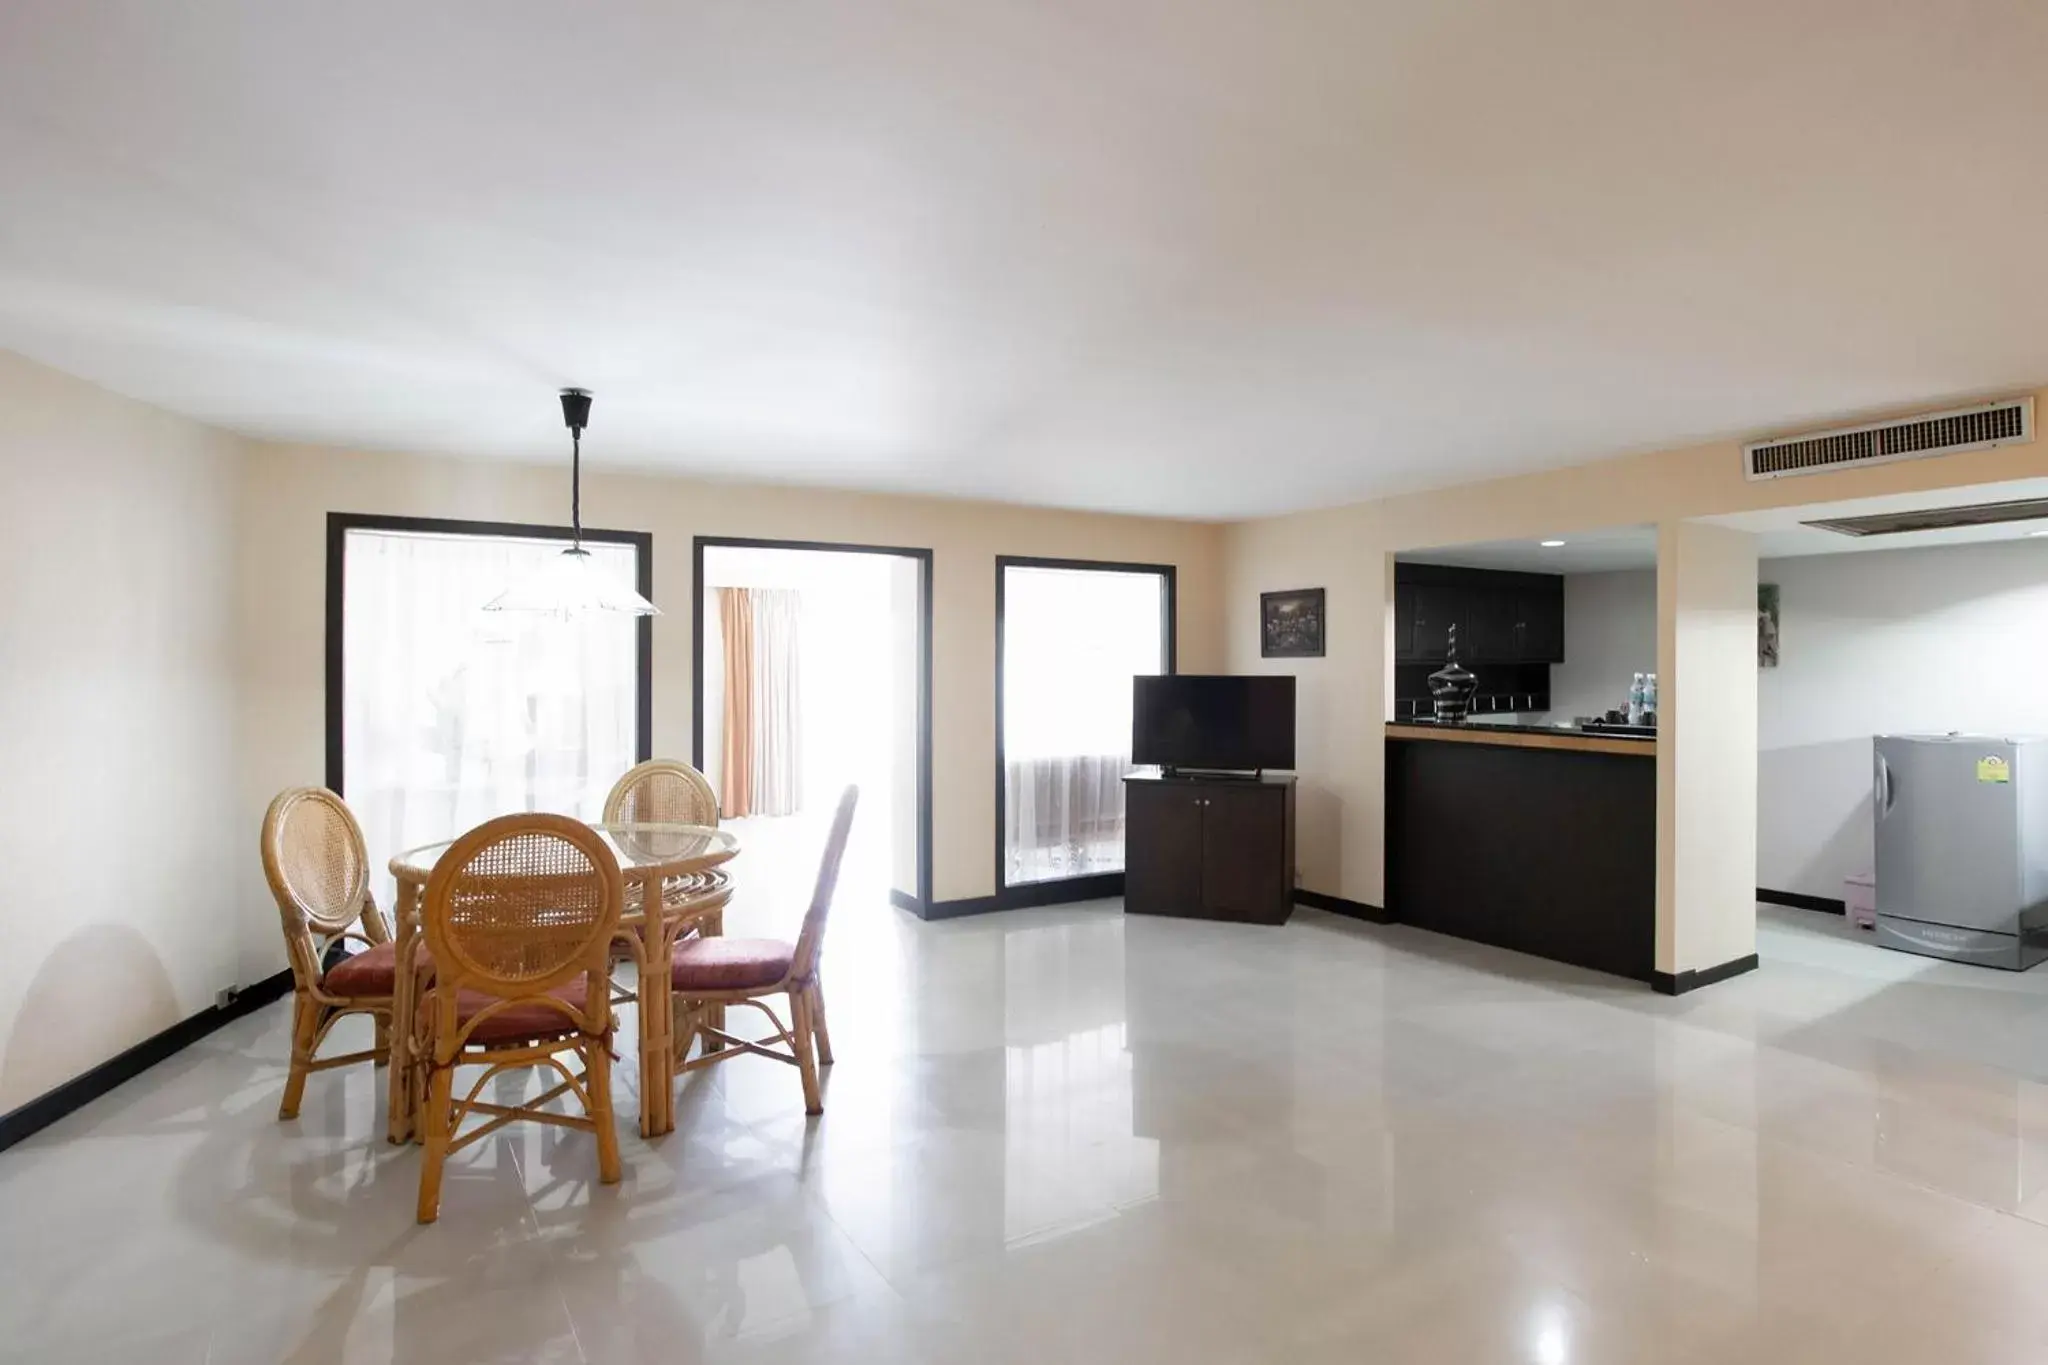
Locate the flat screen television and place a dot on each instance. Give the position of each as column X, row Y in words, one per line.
column 1215, row 722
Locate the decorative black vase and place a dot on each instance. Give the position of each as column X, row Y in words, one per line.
column 1453, row 686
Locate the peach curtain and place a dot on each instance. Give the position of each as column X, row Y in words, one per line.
column 761, row 751
column 736, row 765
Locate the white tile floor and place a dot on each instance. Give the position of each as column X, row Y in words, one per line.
column 1065, row 1136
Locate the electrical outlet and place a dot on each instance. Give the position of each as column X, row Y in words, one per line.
column 224, row 997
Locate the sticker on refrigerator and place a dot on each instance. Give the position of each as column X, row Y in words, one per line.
column 1993, row 769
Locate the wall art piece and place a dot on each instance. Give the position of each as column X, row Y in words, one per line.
column 1767, row 625
column 1291, row 624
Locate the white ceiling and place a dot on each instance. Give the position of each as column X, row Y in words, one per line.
column 1201, row 257
column 1781, row 533
column 1602, row 551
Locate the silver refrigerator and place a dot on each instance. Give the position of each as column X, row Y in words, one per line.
column 1962, row 847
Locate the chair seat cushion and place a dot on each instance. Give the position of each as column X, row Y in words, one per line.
column 730, row 964
column 528, row 1021
column 371, row 972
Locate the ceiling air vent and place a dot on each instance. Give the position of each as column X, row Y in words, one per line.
column 1937, row 518
column 1914, row 438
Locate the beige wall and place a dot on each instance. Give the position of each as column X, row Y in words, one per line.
column 120, row 831
column 281, row 578
column 1343, row 696
column 1340, row 699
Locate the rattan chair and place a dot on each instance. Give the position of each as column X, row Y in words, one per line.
column 662, row 791
column 314, row 859
column 708, row 974
column 519, row 915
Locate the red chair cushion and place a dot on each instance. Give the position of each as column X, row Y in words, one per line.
column 730, row 964
column 528, row 1021
column 372, row 972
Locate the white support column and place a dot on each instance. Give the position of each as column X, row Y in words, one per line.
column 1706, row 746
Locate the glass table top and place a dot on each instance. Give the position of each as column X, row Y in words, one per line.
column 675, row 849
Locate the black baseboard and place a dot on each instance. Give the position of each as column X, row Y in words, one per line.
column 44, row 1110
column 1102, row 886
column 903, row 900
column 972, row 905
column 1337, row 905
column 1668, row 983
column 1799, row 900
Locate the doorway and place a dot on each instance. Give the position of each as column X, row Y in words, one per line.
column 812, row 672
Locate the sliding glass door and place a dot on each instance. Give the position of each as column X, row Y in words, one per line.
column 1070, row 637
column 441, row 714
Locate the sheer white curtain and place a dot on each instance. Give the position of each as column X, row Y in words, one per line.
column 452, row 714
column 778, row 673
column 1072, row 641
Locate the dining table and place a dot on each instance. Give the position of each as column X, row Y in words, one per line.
column 674, row 887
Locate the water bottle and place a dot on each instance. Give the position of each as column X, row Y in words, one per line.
column 1636, row 692
column 1649, row 699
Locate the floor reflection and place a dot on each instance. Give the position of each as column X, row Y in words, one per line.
column 1067, row 1135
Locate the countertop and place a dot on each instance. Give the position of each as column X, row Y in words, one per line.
column 1525, row 737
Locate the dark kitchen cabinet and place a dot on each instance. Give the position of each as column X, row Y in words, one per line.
column 1438, row 607
column 1544, row 851
column 1209, row 848
column 1502, row 618
column 1493, row 630
column 1542, row 622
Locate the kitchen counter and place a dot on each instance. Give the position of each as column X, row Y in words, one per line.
column 1535, row 838
column 1524, row 737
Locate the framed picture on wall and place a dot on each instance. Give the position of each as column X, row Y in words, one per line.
column 1291, row 624
column 1767, row 625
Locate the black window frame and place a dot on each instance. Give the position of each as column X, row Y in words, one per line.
column 1091, row 886
column 339, row 524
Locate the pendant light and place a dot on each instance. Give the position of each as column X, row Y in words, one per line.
column 571, row 583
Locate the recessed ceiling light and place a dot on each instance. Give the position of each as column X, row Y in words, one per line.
column 1555, row 544
column 2038, row 533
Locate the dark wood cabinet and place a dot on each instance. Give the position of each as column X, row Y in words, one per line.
column 1510, row 630
column 1493, row 630
column 1210, row 848
column 1541, row 621
column 1502, row 618
column 1162, row 844
column 1438, row 607
column 1545, row 851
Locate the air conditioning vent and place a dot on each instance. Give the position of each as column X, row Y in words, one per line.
column 1915, row 438
column 1937, row 518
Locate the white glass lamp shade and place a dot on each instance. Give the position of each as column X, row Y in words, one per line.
column 571, row 584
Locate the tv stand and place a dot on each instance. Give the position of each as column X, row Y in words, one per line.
column 1210, row 846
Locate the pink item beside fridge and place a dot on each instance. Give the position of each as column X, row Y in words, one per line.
column 1859, row 898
